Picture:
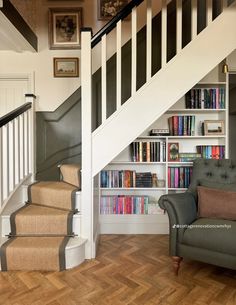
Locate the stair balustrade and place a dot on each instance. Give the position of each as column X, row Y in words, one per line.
column 17, row 161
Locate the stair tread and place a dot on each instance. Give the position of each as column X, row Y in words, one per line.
column 72, row 243
column 38, row 210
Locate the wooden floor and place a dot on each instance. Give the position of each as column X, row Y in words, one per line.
column 129, row 269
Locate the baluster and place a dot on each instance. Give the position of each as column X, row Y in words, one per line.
column 104, row 78
column 179, row 25
column 209, row 11
column 11, row 151
column 118, row 65
column 1, row 167
column 163, row 33
column 134, row 51
column 17, row 152
column 22, row 146
column 149, row 40
column 5, row 152
column 26, row 131
column 194, row 19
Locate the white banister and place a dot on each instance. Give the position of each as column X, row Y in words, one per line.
column 16, row 154
column 163, row 33
column 149, row 41
column 178, row 26
column 86, row 110
column 209, row 11
column 104, row 77
column 134, row 50
column 194, row 19
column 118, row 64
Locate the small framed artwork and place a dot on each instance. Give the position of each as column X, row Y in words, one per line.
column 64, row 28
column 214, row 127
column 173, row 152
column 108, row 9
column 66, row 66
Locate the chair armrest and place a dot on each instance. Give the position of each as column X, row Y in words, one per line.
column 182, row 210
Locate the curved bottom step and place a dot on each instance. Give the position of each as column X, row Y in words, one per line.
column 75, row 251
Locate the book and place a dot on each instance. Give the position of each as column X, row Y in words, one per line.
column 173, row 152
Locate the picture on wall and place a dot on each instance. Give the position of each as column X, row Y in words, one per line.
column 64, row 28
column 66, row 66
column 107, row 9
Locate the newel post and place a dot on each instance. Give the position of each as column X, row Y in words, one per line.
column 86, row 114
column 31, row 98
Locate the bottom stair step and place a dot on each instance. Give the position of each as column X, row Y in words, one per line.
column 43, row 250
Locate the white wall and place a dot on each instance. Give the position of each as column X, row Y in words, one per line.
column 50, row 91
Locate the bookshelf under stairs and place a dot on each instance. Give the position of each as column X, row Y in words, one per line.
column 128, row 204
column 44, row 234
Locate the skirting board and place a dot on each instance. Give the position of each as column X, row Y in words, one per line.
column 134, row 224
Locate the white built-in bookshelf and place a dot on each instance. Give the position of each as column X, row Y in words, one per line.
column 158, row 223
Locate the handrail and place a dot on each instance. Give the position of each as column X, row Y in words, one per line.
column 112, row 23
column 14, row 114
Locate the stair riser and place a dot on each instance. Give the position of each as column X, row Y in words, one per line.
column 77, row 198
column 75, row 252
column 6, row 227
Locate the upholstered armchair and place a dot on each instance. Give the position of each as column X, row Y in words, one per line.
column 209, row 240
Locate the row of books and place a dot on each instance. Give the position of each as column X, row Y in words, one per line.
column 179, row 177
column 188, row 157
column 148, row 151
column 125, row 179
column 182, row 125
column 124, row 205
column 205, row 98
column 211, row 151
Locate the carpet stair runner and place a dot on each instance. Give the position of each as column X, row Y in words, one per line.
column 41, row 229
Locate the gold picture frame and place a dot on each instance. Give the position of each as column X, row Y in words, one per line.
column 107, row 9
column 214, row 127
column 66, row 66
column 64, row 27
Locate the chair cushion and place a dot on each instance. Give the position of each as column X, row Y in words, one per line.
column 205, row 234
column 214, row 203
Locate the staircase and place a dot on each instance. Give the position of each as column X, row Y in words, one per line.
column 212, row 38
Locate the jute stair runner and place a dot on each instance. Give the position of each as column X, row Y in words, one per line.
column 41, row 229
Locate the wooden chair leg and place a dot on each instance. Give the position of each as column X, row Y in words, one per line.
column 176, row 263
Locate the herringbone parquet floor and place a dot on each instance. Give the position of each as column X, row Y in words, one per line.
column 129, row 270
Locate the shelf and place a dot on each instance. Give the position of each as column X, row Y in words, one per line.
column 181, row 137
column 136, row 163
column 180, row 163
column 210, row 83
column 196, row 110
column 176, row 189
column 133, row 188
column 127, row 218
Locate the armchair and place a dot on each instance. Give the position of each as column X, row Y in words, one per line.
column 204, row 239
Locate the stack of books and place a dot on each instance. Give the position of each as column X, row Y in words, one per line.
column 124, row 205
column 188, row 157
column 205, row 98
column 182, row 125
column 118, row 178
column 179, row 177
column 148, row 151
column 144, row 179
column 211, row 151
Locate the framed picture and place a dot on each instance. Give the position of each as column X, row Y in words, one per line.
column 66, row 67
column 214, row 127
column 107, row 9
column 173, row 152
column 64, row 28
